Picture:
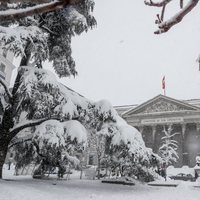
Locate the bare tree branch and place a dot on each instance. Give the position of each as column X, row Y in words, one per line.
column 163, row 13
column 165, row 26
column 181, row 3
column 49, row 31
column 177, row 18
column 157, row 4
column 26, row 1
column 38, row 150
column 19, row 142
column 12, row 14
column 20, row 127
column 3, row 83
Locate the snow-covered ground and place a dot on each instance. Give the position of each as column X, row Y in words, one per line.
column 26, row 188
column 185, row 170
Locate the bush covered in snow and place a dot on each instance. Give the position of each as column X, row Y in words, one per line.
column 126, row 153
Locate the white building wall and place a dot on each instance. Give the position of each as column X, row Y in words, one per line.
column 8, row 62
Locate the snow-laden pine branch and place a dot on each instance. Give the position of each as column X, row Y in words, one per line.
column 16, row 14
column 27, row 124
column 15, row 38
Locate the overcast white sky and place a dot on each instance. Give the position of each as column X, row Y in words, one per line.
column 124, row 62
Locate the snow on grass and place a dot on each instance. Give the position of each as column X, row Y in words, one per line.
column 172, row 171
column 26, row 188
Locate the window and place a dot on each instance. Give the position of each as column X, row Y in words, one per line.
column 5, row 53
column 2, row 67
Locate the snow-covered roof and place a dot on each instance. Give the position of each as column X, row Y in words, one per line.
column 122, row 109
column 126, row 108
column 194, row 102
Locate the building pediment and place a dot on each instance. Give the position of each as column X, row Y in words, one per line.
column 161, row 104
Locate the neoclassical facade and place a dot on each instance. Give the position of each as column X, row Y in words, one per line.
column 151, row 117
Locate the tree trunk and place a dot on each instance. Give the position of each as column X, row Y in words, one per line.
column 3, row 153
column 99, row 166
column 9, row 114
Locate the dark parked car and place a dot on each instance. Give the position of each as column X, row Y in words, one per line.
column 183, row 177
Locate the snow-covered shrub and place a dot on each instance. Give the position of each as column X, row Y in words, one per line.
column 36, row 95
column 126, row 153
column 198, row 160
column 53, row 144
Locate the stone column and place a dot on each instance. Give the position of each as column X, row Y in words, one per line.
column 198, row 127
column 153, row 133
column 184, row 150
column 183, row 126
column 153, row 138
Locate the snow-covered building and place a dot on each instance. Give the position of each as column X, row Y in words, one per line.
column 152, row 116
column 6, row 65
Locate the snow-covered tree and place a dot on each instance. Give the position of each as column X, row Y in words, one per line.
column 35, row 95
column 40, row 115
column 126, row 153
column 47, row 36
column 39, row 138
column 52, row 143
column 165, row 25
column 124, row 148
column 168, row 149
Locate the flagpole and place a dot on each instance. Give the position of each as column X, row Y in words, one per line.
column 165, row 88
column 163, row 85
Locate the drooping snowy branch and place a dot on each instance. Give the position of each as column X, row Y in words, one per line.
column 28, row 124
column 12, row 144
column 55, row 133
column 164, row 26
column 15, row 39
column 38, row 9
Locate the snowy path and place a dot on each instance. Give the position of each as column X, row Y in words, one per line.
column 25, row 188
